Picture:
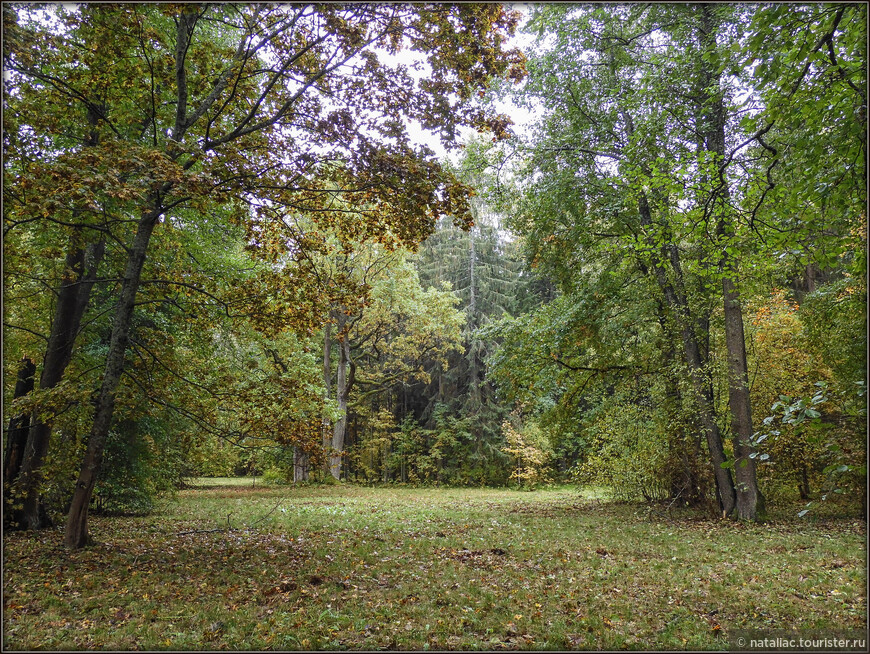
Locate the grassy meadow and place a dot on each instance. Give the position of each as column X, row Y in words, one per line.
column 249, row 567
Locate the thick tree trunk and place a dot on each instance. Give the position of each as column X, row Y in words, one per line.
column 73, row 297
column 300, row 465
column 76, row 534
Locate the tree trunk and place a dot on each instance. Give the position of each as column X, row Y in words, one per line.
column 16, row 439
column 16, row 436
column 385, row 472
column 72, row 301
column 675, row 298
column 343, row 383
column 748, row 495
column 804, row 482
column 811, row 277
column 472, row 296
column 326, row 432
column 711, row 122
column 300, row 465
column 725, row 489
column 76, row 534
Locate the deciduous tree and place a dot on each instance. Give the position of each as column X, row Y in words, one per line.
column 269, row 111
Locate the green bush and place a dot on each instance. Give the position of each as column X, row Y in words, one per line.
column 142, row 460
column 124, row 486
column 274, row 476
column 628, row 453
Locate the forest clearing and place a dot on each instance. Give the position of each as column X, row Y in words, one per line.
column 362, row 568
column 427, row 273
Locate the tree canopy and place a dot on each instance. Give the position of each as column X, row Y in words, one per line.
column 224, row 253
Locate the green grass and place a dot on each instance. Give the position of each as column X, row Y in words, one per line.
column 211, row 482
column 344, row 567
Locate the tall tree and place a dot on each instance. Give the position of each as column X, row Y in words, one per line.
column 485, row 270
column 671, row 134
column 617, row 146
column 281, row 127
column 711, row 123
column 391, row 339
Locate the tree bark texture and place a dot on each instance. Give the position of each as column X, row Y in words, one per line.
column 76, row 534
column 748, row 495
column 300, row 465
column 343, row 383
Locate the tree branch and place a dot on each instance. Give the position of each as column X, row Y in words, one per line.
column 24, row 329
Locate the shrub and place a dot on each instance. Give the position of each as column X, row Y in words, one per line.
column 628, row 454
column 530, row 449
column 143, row 459
column 274, row 476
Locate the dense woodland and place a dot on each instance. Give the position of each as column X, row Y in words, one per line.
column 224, row 255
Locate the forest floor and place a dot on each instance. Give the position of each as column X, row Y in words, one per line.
column 347, row 567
